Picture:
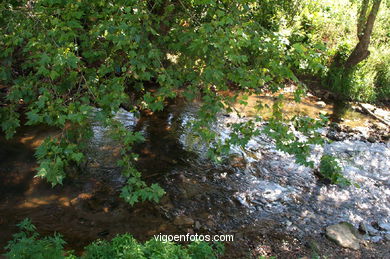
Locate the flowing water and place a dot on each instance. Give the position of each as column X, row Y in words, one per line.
column 270, row 203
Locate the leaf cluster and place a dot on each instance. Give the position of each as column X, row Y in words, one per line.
column 296, row 137
column 331, row 170
column 54, row 155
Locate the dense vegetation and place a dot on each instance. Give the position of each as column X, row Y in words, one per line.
column 65, row 63
column 61, row 59
column 28, row 244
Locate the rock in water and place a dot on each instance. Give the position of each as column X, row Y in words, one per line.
column 384, row 226
column 344, row 234
column 321, row 104
column 183, row 220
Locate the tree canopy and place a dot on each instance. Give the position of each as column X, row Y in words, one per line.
column 66, row 61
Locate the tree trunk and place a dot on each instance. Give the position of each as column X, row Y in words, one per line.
column 362, row 18
column 361, row 51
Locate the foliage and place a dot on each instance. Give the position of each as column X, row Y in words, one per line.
column 62, row 61
column 329, row 27
column 125, row 246
column 54, row 155
column 9, row 121
column 382, row 80
column 330, row 169
column 28, row 244
column 63, row 58
column 239, row 136
column 136, row 189
column 297, row 136
column 356, row 84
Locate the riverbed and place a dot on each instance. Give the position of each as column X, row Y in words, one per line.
column 271, row 204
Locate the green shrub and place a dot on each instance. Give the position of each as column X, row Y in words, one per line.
column 382, row 81
column 354, row 85
column 331, row 170
column 29, row 245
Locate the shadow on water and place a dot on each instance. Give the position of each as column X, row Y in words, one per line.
column 87, row 206
column 162, row 149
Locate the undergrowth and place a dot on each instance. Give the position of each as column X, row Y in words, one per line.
column 28, row 244
column 333, row 25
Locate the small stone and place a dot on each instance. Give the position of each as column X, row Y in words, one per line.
column 323, row 112
column 367, row 229
column 197, row 225
column 384, row 226
column 273, row 192
column 242, row 201
column 183, row 220
column 376, row 239
column 375, row 225
column 344, row 234
column 321, row 104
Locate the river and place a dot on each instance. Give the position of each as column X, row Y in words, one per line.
column 272, row 205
